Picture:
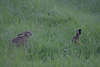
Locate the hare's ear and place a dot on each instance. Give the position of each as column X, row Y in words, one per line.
column 21, row 34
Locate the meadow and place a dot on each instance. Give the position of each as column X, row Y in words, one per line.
column 53, row 24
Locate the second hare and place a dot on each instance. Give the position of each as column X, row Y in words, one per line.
column 77, row 36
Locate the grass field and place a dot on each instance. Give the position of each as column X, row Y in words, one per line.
column 53, row 23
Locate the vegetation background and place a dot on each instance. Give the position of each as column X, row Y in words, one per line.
column 53, row 24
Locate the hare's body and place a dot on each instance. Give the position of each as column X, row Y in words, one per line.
column 22, row 38
column 77, row 37
column 19, row 40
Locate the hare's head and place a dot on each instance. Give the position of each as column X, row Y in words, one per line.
column 79, row 31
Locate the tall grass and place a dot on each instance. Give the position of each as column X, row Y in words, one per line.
column 53, row 24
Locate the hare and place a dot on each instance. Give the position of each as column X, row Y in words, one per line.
column 77, row 37
column 22, row 38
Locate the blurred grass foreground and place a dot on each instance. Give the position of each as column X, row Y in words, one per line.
column 53, row 24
